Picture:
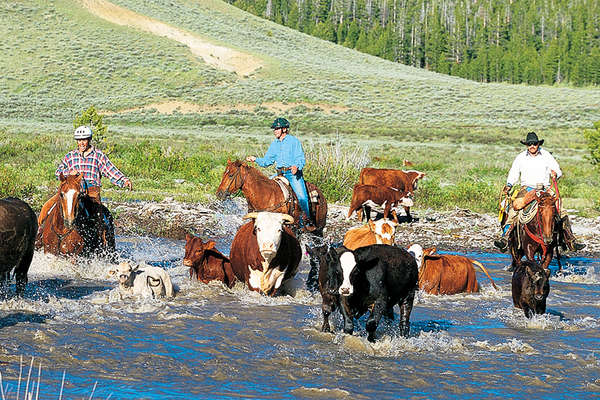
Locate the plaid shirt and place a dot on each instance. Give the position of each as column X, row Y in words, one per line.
column 93, row 166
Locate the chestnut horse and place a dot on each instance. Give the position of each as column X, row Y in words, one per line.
column 264, row 194
column 538, row 236
column 67, row 229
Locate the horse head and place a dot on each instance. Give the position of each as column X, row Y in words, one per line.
column 546, row 214
column 232, row 180
column 69, row 192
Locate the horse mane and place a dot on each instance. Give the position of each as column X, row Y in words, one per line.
column 254, row 172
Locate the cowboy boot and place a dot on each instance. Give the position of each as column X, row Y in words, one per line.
column 568, row 237
column 308, row 224
column 502, row 243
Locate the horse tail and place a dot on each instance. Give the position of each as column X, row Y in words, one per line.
column 485, row 272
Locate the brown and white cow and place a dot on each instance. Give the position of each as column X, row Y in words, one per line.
column 381, row 231
column 367, row 196
column 405, row 181
column 265, row 253
column 206, row 262
column 446, row 274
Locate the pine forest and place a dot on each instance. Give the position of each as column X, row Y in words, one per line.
column 516, row 41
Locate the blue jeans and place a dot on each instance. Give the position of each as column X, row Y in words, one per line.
column 299, row 187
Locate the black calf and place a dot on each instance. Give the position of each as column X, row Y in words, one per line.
column 530, row 287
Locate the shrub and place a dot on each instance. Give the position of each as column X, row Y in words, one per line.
column 593, row 138
column 91, row 118
column 335, row 168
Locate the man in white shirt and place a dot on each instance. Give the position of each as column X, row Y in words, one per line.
column 535, row 167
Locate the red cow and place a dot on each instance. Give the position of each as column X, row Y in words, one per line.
column 446, row 274
column 405, row 181
column 206, row 262
column 367, row 196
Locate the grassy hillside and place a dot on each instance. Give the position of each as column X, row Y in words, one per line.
column 59, row 58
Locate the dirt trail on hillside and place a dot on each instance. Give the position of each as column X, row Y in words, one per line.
column 169, row 107
column 217, row 56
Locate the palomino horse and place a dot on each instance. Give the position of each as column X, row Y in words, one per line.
column 264, row 194
column 537, row 236
column 67, row 229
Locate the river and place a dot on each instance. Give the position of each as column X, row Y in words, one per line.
column 213, row 342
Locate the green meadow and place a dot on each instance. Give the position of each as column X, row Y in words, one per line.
column 350, row 109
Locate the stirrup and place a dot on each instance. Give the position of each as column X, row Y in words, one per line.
column 501, row 243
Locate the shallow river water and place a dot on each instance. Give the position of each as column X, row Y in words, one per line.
column 212, row 342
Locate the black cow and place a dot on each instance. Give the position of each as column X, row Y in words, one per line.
column 18, row 227
column 326, row 281
column 530, row 287
column 373, row 277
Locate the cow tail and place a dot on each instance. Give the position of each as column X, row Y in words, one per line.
column 485, row 272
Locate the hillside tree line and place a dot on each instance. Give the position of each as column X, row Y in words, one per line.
column 515, row 41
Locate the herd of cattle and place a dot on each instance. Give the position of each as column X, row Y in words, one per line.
column 366, row 272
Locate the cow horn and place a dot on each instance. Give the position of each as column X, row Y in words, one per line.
column 288, row 218
column 250, row 215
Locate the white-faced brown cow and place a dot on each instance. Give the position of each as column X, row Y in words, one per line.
column 405, row 181
column 366, row 196
column 381, row 231
column 265, row 253
column 447, row 273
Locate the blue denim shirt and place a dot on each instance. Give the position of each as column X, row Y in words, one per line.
column 284, row 153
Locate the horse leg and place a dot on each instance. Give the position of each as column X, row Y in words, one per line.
column 21, row 270
column 367, row 210
column 558, row 259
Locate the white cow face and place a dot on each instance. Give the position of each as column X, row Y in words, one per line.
column 417, row 251
column 406, row 200
column 123, row 272
column 347, row 263
column 269, row 227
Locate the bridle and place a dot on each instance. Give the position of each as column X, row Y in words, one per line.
column 233, row 182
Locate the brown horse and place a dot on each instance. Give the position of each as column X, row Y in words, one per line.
column 264, row 194
column 68, row 229
column 538, row 236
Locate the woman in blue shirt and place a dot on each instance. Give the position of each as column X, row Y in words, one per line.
column 287, row 154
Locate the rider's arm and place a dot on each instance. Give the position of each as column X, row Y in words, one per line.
column 269, row 157
column 108, row 169
column 298, row 158
column 64, row 167
column 515, row 171
column 553, row 165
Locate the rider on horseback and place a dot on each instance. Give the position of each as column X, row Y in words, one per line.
column 92, row 164
column 536, row 167
column 286, row 152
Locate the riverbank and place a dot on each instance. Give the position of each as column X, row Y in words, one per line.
column 456, row 230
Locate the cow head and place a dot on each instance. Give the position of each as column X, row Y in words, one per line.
column 268, row 228
column 125, row 274
column 345, row 266
column 384, row 230
column 334, row 269
column 538, row 279
column 417, row 252
column 413, row 177
column 404, row 198
column 195, row 249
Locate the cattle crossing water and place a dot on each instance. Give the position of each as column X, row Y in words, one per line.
column 210, row 341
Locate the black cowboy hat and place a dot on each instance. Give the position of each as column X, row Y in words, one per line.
column 532, row 138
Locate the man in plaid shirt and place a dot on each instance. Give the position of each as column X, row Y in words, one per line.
column 92, row 164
